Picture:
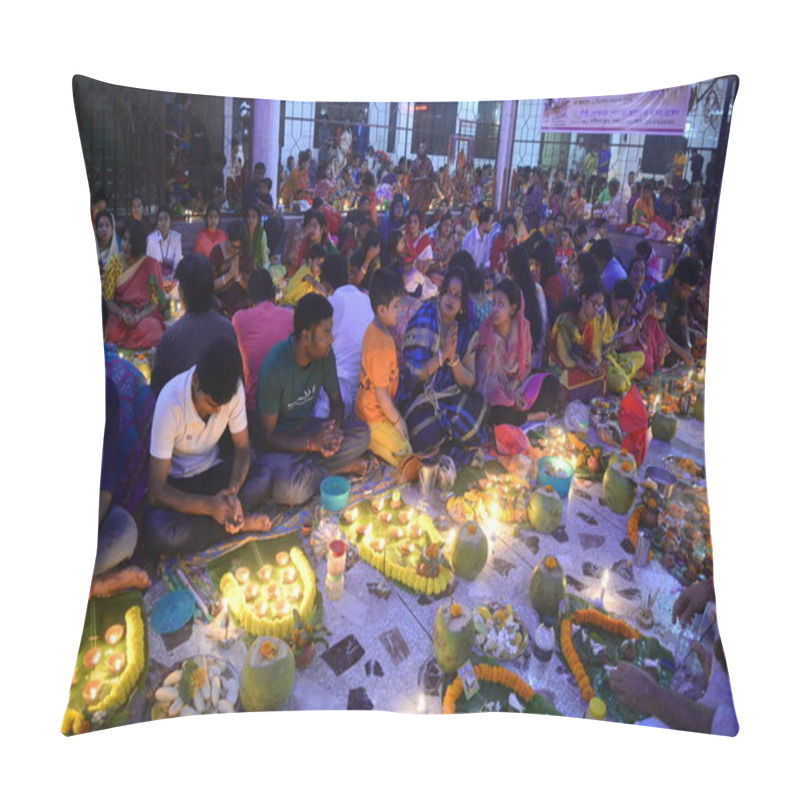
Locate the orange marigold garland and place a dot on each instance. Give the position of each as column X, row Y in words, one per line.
column 491, row 674
column 589, row 616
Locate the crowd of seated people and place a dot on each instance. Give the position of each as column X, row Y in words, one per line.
column 391, row 341
column 395, row 338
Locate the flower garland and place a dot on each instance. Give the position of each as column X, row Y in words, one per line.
column 589, row 616
column 134, row 653
column 485, row 672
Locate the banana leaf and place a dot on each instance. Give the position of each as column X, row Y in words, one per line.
column 490, row 692
column 101, row 614
column 646, row 648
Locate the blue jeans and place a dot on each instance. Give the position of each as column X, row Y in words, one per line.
column 297, row 476
column 116, row 539
column 171, row 532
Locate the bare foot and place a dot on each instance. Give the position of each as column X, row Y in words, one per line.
column 256, row 522
column 358, row 467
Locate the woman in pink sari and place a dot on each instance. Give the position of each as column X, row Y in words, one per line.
column 133, row 287
column 514, row 394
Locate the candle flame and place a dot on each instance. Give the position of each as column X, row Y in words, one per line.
column 604, row 581
column 421, row 704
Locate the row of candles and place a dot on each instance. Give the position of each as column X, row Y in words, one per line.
column 115, row 663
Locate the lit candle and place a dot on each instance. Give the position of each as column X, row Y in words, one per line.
column 603, row 586
column 290, row 575
column 421, row 704
column 282, row 559
column 116, row 663
column 92, row 658
column 92, row 690
column 265, row 573
column 251, row 591
column 242, row 575
column 114, row 634
column 656, row 403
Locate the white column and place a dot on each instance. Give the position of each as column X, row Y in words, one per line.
column 266, row 136
column 505, row 148
column 227, row 134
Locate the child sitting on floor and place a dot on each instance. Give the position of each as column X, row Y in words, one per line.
column 380, row 376
column 306, row 279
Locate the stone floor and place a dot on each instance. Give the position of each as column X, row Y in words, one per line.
column 381, row 653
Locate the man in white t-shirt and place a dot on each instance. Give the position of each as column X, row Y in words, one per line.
column 352, row 315
column 478, row 242
column 195, row 495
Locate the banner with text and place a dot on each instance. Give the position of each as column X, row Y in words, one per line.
column 663, row 111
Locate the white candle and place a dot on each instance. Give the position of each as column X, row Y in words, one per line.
column 603, row 586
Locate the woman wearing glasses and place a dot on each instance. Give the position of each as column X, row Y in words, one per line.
column 230, row 274
column 437, row 388
column 572, row 347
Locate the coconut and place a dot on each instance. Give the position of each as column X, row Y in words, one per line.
column 470, row 551
column 664, row 426
column 545, row 509
column 268, row 675
column 453, row 632
column 548, row 588
column 619, row 487
column 700, row 407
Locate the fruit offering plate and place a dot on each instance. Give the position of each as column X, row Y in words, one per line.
column 401, row 543
column 495, row 497
column 201, row 684
column 603, row 409
column 499, row 689
column 264, row 583
column 499, row 632
column 593, row 642
column 110, row 669
column 590, row 461
column 685, row 548
column 687, row 471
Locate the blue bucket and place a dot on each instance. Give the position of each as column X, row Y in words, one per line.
column 560, row 485
column 335, row 492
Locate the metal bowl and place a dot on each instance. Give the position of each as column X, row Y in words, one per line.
column 664, row 480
